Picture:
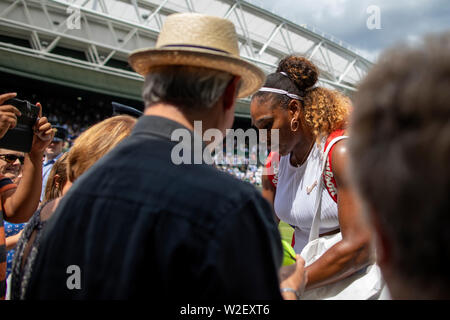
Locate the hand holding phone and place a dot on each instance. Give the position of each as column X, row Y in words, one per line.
column 8, row 114
column 43, row 133
column 18, row 120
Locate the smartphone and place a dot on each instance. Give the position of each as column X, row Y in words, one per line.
column 21, row 137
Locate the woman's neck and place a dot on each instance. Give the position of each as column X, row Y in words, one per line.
column 301, row 151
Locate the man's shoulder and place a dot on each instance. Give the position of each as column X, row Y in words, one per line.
column 219, row 182
column 142, row 171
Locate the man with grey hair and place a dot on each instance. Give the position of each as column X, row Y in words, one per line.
column 137, row 225
column 400, row 155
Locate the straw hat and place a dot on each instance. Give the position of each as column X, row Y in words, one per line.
column 201, row 41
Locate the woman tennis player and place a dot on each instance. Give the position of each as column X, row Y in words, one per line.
column 309, row 118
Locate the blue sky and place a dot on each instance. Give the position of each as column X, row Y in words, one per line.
column 400, row 20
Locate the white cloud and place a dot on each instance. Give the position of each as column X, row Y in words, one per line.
column 401, row 20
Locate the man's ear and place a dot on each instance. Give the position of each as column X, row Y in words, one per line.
column 230, row 93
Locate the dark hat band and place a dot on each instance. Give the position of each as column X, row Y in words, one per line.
column 195, row 47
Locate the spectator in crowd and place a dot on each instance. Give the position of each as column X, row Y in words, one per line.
column 88, row 148
column 194, row 232
column 11, row 167
column 11, row 164
column 53, row 152
column 55, row 183
column 308, row 118
column 19, row 202
column 400, row 155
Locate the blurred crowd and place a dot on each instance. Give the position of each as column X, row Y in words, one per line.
column 242, row 163
column 248, row 173
column 75, row 117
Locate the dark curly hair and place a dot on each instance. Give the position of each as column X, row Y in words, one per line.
column 324, row 110
column 400, row 156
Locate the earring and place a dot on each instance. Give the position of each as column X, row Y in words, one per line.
column 294, row 121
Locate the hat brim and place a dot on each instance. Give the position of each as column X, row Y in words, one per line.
column 142, row 61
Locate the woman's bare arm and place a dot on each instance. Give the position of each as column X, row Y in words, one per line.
column 353, row 252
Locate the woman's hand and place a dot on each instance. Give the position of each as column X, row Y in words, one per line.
column 8, row 114
column 294, row 277
column 43, row 134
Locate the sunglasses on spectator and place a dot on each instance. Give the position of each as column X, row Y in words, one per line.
column 11, row 158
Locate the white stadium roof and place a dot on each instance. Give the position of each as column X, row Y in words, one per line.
column 109, row 30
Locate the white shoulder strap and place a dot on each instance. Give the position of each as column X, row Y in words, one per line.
column 314, row 233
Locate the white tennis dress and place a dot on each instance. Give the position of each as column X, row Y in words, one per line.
column 295, row 206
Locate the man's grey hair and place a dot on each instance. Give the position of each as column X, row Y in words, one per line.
column 185, row 86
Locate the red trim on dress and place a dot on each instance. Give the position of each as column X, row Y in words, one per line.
column 271, row 168
column 328, row 177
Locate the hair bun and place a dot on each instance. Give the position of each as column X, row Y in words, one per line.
column 300, row 70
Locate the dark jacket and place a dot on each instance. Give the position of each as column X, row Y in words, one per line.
column 139, row 227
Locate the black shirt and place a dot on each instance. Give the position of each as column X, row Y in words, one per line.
column 139, row 227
